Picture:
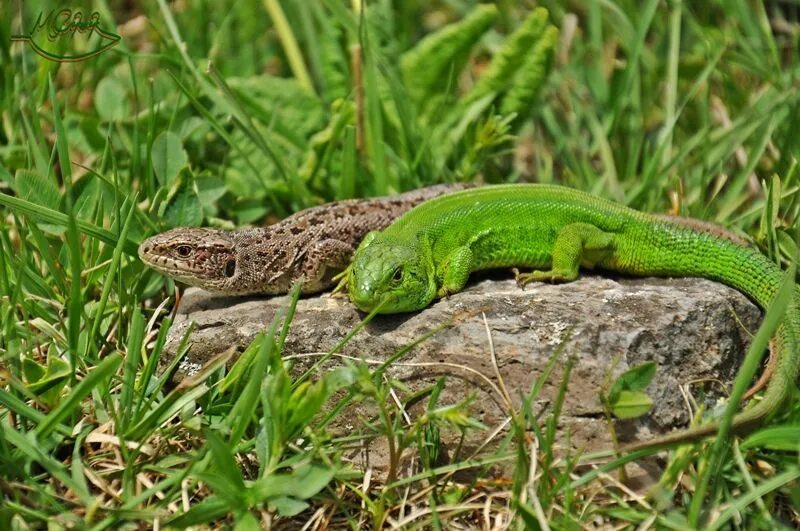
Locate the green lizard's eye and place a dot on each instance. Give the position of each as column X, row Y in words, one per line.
column 184, row 250
column 397, row 276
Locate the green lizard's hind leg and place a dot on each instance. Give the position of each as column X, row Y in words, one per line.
column 453, row 272
column 576, row 244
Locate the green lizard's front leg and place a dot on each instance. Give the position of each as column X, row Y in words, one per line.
column 453, row 272
column 576, row 244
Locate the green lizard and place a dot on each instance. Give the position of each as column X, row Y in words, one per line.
column 431, row 250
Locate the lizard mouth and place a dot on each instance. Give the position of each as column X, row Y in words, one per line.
column 162, row 264
column 370, row 303
column 364, row 300
column 148, row 254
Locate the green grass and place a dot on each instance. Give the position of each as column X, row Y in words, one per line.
column 242, row 112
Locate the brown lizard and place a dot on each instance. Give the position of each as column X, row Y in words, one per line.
column 315, row 244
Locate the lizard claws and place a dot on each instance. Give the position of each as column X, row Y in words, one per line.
column 341, row 280
column 518, row 277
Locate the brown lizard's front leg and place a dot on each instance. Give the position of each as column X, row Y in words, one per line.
column 323, row 261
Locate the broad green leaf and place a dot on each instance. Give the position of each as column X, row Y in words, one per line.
column 88, row 198
column 32, row 371
column 183, row 207
column 249, row 211
column 302, row 483
column 245, row 521
column 209, row 189
column 211, row 508
column 307, row 480
column 192, row 126
column 219, row 484
column 111, row 100
column 47, row 381
column 634, row 379
column 631, row 404
column 287, row 506
column 224, row 463
column 37, row 189
column 168, row 157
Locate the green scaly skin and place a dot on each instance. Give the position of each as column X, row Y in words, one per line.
column 431, row 250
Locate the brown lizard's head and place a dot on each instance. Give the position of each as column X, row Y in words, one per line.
column 200, row 257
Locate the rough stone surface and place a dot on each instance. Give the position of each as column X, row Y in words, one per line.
column 696, row 330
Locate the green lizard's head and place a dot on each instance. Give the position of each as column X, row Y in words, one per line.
column 398, row 275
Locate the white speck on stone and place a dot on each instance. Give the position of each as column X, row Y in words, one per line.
column 551, row 333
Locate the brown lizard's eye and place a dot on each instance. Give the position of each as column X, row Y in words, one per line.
column 230, row 268
column 184, row 250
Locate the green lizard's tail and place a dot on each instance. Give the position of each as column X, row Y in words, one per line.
column 682, row 252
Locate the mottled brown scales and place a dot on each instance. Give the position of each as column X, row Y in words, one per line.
column 314, row 244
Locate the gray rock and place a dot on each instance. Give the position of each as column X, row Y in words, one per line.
column 696, row 330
